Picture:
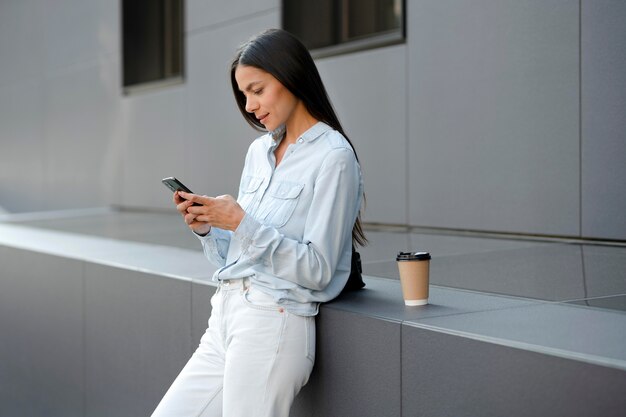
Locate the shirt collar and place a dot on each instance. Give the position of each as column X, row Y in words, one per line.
column 315, row 131
column 275, row 136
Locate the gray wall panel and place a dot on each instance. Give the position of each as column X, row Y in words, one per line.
column 137, row 339
column 368, row 90
column 450, row 376
column 200, row 311
column 604, row 119
column 21, row 29
column 97, row 22
column 216, row 133
column 203, row 14
column 350, row 377
column 41, row 328
column 493, row 115
column 82, row 137
column 22, row 169
column 64, row 58
column 153, row 145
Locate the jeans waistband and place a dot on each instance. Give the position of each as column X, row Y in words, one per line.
column 234, row 284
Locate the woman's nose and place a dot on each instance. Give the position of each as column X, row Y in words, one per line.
column 251, row 105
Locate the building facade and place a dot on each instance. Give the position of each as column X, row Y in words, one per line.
column 492, row 115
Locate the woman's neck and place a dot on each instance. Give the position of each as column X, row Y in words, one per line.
column 299, row 122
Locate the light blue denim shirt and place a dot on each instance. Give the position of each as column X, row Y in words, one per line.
column 295, row 240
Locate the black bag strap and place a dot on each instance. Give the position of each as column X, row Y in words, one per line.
column 355, row 280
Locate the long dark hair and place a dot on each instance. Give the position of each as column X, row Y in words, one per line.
column 281, row 54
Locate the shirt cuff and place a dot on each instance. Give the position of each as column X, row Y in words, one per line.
column 246, row 231
column 209, row 245
column 204, row 237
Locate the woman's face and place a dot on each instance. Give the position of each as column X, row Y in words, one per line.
column 270, row 101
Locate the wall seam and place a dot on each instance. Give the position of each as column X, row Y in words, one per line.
column 407, row 134
column 191, row 320
column 580, row 120
column 84, row 335
column 401, row 362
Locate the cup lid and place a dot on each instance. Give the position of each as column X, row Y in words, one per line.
column 413, row 256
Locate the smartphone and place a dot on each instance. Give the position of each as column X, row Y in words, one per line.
column 175, row 185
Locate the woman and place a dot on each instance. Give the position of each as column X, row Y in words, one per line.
column 283, row 246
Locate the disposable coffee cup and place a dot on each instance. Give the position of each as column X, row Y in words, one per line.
column 414, row 270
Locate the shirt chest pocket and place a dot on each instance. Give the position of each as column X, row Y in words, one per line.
column 249, row 186
column 279, row 203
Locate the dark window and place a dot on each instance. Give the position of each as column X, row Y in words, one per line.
column 329, row 27
column 152, row 42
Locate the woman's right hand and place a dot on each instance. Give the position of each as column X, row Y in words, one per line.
column 200, row 228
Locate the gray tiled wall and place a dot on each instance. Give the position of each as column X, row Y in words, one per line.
column 98, row 340
column 369, row 92
column 216, row 136
column 201, row 294
column 137, row 339
column 41, row 342
column 494, row 115
column 86, row 339
column 354, row 378
column 603, row 94
column 456, row 377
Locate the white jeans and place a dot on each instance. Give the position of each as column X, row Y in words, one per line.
column 252, row 361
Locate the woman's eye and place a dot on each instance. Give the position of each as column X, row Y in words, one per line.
column 257, row 92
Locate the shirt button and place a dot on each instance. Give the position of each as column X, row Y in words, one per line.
column 300, row 140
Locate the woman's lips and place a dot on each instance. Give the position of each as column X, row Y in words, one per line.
column 262, row 117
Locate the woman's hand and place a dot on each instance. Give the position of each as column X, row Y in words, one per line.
column 223, row 212
column 201, row 228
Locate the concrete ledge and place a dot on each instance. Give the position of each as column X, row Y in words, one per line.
column 100, row 327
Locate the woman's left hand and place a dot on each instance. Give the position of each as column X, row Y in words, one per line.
column 223, row 212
